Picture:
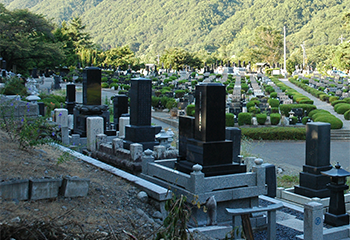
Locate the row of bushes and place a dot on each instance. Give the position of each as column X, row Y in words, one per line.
column 275, row 133
column 320, row 115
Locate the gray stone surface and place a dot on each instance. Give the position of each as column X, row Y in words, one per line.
column 313, row 220
column 18, row 189
column 44, row 188
column 94, row 126
column 74, row 187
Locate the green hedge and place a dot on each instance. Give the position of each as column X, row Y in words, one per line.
column 275, row 118
column 273, row 95
column 230, row 120
column 306, row 102
column 304, row 120
column 337, row 102
column 342, row 108
column 252, row 103
column 261, row 118
column 333, row 98
column 347, row 115
column 285, row 108
column 244, row 119
column 273, row 102
column 335, row 122
column 313, row 112
column 190, row 110
column 275, row 133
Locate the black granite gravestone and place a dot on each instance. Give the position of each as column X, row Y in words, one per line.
column 70, row 98
column 234, row 134
column 91, row 103
column 208, row 147
column 140, row 129
column 186, row 131
column 120, row 106
column 311, row 182
column 92, row 86
column 56, row 85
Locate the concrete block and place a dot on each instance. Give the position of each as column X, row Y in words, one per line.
column 94, row 126
column 100, row 138
column 74, row 187
column 61, row 117
column 71, row 121
column 44, row 188
column 136, row 150
column 117, row 143
column 123, row 121
column 17, row 189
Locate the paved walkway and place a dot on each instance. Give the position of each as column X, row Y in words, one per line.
column 319, row 104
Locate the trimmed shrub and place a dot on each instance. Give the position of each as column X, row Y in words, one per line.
column 171, row 103
column 347, row 99
column 230, row 119
column 179, row 93
column 335, row 122
column 261, row 118
column 333, row 98
column 252, row 103
column 190, row 110
column 274, row 102
column 254, row 110
column 275, row 110
column 275, row 133
column 309, row 101
column 324, row 97
column 244, row 118
column 347, row 115
column 337, row 102
column 294, row 120
column 275, row 118
column 313, row 112
column 273, row 95
column 104, row 85
column 342, row 108
column 304, row 120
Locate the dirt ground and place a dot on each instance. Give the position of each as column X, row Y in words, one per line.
column 110, row 211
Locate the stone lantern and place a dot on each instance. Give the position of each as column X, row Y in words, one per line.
column 337, row 216
column 163, row 138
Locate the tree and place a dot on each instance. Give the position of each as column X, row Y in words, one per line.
column 120, row 56
column 75, row 41
column 267, row 45
column 178, row 58
column 26, row 40
column 341, row 58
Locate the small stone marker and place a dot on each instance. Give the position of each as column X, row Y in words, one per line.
column 94, row 126
column 313, row 220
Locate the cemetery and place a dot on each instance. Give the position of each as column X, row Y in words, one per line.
column 201, row 163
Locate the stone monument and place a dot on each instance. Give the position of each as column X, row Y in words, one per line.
column 91, row 103
column 208, row 146
column 140, row 129
column 120, row 106
column 311, row 182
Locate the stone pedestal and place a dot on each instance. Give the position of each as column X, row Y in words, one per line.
column 311, row 182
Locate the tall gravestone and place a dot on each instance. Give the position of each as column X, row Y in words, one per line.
column 70, row 98
column 120, row 106
column 140, row 129
column 91, row 103
column 208, row 146
column 311, row 182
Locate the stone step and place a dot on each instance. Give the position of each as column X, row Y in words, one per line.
column 338, row 134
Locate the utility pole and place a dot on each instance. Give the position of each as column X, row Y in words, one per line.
column 304, row 53
column 285, row 51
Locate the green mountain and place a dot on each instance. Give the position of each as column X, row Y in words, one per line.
column 150, row 26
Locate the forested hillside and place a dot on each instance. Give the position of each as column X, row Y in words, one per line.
column 150, row 26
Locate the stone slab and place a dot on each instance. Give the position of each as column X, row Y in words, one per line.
column 18, row 189
column 74, row 187
column 44, row 188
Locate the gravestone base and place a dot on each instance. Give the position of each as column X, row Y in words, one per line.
column 213, row 170
column 82, row 112
column 70, row 107
column 337, row 220
column 312, row 183
column 144, row 135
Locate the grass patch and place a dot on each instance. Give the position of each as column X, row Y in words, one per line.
column 287, row 181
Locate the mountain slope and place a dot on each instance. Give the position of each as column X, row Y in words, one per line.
column 150, row 26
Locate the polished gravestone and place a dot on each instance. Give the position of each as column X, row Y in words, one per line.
column 311, row 182
column 140, row 129
column 70, row 98
column 208, row 147
column 120, row 106
column 91, row 103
